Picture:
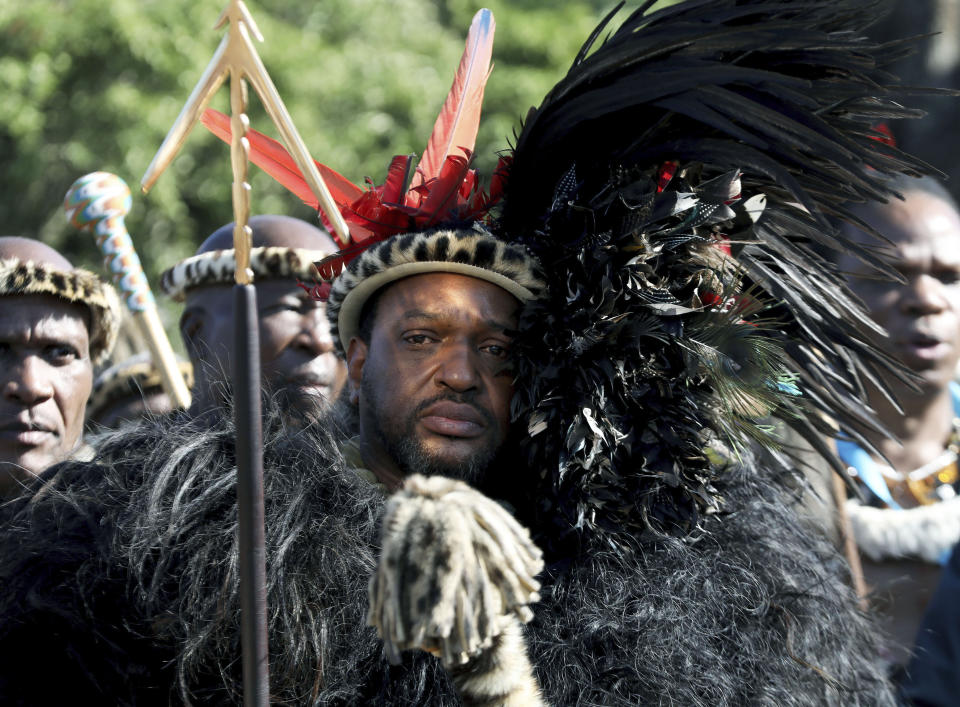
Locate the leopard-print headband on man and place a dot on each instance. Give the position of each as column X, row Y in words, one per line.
column 464, row 252
column 25, row 277
column 217, row 267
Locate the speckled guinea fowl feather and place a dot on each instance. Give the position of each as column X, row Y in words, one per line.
column 677, row 318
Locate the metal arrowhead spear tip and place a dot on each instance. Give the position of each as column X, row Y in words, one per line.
column 237, row 58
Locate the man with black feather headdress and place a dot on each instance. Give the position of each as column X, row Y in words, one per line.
column 645, row 294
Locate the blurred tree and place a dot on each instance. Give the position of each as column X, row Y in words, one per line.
column 92, row 85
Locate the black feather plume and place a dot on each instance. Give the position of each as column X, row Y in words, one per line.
column 677, row 185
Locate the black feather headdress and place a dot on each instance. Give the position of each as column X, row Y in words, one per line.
column 675, row 186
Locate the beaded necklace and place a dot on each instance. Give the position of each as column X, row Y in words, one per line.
column 930, row 483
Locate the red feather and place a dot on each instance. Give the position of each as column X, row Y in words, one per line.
column 500, row 175
column 667, row 170
column 376, row 218
column 444, row 190
column 395, row 186
column 270, row 155
column 455, row 132
column 884, row 134
column 320, row 291
column 329, row 268
column 469, row 185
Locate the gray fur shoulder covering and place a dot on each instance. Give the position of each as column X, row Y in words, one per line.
column 123, row 572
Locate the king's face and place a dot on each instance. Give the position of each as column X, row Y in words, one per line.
column 436, row 373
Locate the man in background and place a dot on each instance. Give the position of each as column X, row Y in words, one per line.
column 911, row 518
column 57, row 323
column 296, row 350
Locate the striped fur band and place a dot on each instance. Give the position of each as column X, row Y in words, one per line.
column 474, row 253
column 217, row 268
column 19, row 277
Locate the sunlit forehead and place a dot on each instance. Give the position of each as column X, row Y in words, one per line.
column 443, row 299
column 924, row 231
column 932, row 244
column 43, row 319
column 935, row 253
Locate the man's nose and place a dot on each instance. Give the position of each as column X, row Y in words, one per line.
column 314, row 336
column 924, row 295
column 27, row 382
column 458, row 368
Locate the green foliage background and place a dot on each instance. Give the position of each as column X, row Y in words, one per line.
column 89, row 85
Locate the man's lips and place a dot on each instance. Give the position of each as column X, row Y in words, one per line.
column 322, row 383
column 452, row 419
column 31, row 434
column 925, row 347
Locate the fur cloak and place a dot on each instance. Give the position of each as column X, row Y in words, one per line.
column 119, row 585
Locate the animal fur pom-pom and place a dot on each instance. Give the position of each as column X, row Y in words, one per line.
column 453, row 563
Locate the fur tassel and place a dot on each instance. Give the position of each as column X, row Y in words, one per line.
column 925, row 532
column 465, row 549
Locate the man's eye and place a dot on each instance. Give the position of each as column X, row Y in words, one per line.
column 497, row 350
column 282, row 307
column 416, row 339
column 949, row 277
column 62, row 353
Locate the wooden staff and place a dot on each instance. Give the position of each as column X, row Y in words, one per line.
column 98, row 202
column 850, row 550
column 237, row 58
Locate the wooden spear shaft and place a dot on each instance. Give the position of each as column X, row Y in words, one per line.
column 237, row 58
column 252, row 540
column 247, row 418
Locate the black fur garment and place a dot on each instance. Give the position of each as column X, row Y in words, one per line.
column 120, row 587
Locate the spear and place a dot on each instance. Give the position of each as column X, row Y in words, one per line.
column 237, row 58
column 98, row 202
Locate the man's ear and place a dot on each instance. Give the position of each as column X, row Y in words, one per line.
column 356, row 357
column 192, row 324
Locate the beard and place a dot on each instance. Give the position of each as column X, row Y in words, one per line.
column 413, row 458
column 296, row 403
column 399, row 439
column 302, row 407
